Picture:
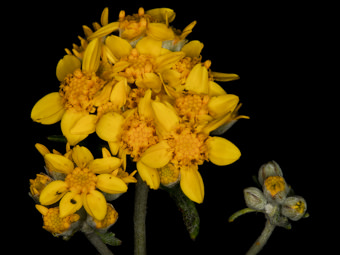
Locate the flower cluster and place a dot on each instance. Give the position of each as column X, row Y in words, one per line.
column 140, row 85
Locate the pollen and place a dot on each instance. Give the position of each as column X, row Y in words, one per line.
column 169, row 174
column 134, row 97
column 137, row 136
column 56, row 225
column 184, row 66
column 275, row 184
column 139, row 65
column 78, row 90
column 190, row 106
column 110, row 218
column 81, row 180
column 188, row 146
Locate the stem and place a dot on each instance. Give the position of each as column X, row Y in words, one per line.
column 141, row 197
column 98, row 243
column 262, row 239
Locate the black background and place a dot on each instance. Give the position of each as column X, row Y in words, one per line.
column 270, row 46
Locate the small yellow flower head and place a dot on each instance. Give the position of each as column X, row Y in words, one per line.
column 169, row 175
column 132, row 26
column 137, row 136
column 38, row 184
column 81, row 180
column 53, row 222
column 78, row 90
column 188, row 146
column 110, row 218
column 275, row 188
column 191, row 106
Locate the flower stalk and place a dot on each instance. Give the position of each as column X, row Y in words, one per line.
column 262, row 239
column 95, row 240
column 141, row 197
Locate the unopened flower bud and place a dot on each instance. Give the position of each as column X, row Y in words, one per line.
column 254, row 198
column 269, row 169
column 294, row 207
column 275, row 189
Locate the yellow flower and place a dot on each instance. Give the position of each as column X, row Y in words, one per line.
column 110, row 218
column 183, row 147
column 38, row 184
column 54, row 223
column 83, row 175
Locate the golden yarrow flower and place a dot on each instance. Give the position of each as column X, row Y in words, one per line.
column 84, row 175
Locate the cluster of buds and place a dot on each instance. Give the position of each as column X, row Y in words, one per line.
column 274, row 200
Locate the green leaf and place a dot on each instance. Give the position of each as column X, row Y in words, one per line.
column 187, row 208
column 57, row 138
column 109, row 238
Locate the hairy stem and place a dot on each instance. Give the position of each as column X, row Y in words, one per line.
column 141, row 197
column 98, row 243
column 262, row 239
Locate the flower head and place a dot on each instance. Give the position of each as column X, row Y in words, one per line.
column 83, row 176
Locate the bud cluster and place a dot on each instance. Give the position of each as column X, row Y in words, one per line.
column 274, row 200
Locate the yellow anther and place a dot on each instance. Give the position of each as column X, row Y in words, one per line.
column 190, row 106
column 81, row 180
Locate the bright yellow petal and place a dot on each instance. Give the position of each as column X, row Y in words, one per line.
column 221, row 105
column 193, row 49
column 165, row 115
column 111, row 184
column 67, row 65
column 119, row 94
column 118, row 46
column 70, row 118
column 81, row 156
column 222, row 152
column 42, row 149
column 69, row 204
column 103, row 31
column 157, row 155
column 192, row 184
column 197, row 80
column 91, row 58
column 215, row 89
column 104, row 19
column 49, row 109
column 109, row 126
column 166, row 61
column 95, row 204
column 149, row 175
column 53, row 192
column 160, row 31
column 104, row 165
column 149, row 46
column 162, row 14
column 150, row 81
column 225, row 76
column 58, row 163
column 144, row 105
column 85, row 125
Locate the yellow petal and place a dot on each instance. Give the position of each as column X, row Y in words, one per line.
column 85, row 125
column 49, row 109
column 157, row 155
column 187, row 30
column 149, row 46
column 165, row 115
column 104, row 19
column 91, row 58
column 67, row 65
column 221, row 105
column 70, row 118
column 109, row 126
column 144, row 105
column 42, row 209
column 104, row 165
column 192, row 184
column 222, row 152
column 111, row 184
column 95, row 204
column 197, row 80
column 225, row 76
column 193, row 49
column 150, row 81
column 149, row 175
column 118, row 46
column 103, row 31
column 159, row 31
column 81, row 156
column 215, row 89
column 58, row 163
column 53, row 192
column 166, row 61
column 162, row 14
column 42, row 149
column 69, row 204
column 119, row 94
